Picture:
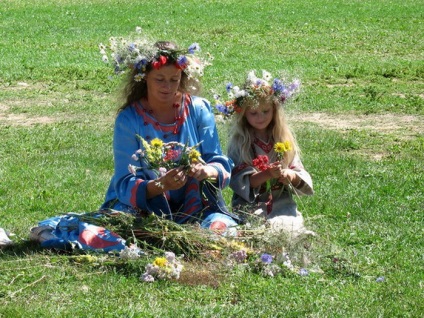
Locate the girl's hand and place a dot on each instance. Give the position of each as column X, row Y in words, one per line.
column 274, row 170
column 201, row 172
column 288, row 176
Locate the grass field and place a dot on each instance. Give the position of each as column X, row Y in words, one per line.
column 359, row 121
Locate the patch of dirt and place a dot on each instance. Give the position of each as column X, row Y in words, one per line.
column 381, row 123
column 22, row 119
column 404, row 125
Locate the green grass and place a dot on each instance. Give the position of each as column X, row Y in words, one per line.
column 353, row 57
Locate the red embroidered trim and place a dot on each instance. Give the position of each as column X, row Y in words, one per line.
column 265, row 147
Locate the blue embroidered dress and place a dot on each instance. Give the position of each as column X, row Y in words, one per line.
column 196, row 200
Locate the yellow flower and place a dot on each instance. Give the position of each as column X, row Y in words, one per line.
column 156, row 143
column 194, row 156
column 280, row 147
column 288, row 145
column 160, row 261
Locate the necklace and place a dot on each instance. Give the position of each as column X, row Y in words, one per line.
column 166, row 129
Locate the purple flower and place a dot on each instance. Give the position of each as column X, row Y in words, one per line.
column 278, row 85
column 182, row 61
column 222, row 109
column 228, row 87
column 303, row 272
column 266, row 258
column 141, row 64
column 194, row 47
column 380, row 279
column 239, row 256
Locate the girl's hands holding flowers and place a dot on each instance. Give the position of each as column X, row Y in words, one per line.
column 275, row 170
column 288, row 176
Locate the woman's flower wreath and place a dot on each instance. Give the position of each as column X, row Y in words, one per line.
column 138, row 52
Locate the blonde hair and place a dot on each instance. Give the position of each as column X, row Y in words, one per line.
column 242, row 134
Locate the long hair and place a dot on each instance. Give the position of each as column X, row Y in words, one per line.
column 243, row 134
column 133, row 91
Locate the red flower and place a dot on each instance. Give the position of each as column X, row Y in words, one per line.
column 171, row 155
column 163, row 59
column 261, row 162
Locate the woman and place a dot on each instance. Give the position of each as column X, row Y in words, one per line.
column 158, row 108
column 158, row 105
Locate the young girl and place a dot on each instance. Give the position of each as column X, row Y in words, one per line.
column 268, row 170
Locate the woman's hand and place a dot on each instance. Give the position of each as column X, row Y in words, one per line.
column 201, row 172
column 173, row 179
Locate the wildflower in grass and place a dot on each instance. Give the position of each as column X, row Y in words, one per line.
column 266, row 258
column 380, row 279
column 239, row 256
column 131, row 252
column 160, row 261
column 163, row 268
column 303, row 272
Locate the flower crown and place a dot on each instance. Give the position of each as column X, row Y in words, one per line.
column 254, row 89
column 139, row 53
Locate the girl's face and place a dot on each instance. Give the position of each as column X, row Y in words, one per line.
column 163, row 84
column 260, row 117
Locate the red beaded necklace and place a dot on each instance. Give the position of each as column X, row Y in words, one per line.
column 178, row 118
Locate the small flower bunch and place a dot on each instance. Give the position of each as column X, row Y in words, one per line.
column 261, row 162
column 163, row 268
column 131, row 252
column 161, row 157
column 138, row 52
column 265, row 266
column 255, row 89
column 281, row 148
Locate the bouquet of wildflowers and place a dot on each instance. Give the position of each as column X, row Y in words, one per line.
column 163, row 268
column 161, row 157
column 261, row 162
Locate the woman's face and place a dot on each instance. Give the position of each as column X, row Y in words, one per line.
column 260, row 117
column 163, row 83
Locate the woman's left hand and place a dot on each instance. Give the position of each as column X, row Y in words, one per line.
column 201, row 172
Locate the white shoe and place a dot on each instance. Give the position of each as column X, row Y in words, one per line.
column 4, row 239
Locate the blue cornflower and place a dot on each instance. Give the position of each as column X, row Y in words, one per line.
column 278, row 85
column 228, row 87
column 222, row 109
column 141, row 64
column 194, row 47
column 182, row 61
column 266, row 258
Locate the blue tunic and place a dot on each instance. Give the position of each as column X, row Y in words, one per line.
column 196, row 200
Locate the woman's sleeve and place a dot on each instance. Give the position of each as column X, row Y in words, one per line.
column 130, row 190
column 210, row 148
